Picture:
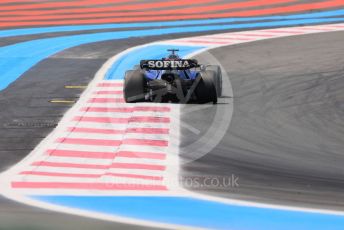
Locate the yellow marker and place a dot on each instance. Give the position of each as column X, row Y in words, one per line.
column 75, row 86
column 62, row 101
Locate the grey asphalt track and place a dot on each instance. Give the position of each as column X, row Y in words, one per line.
column 285, row 142
column 15, row 216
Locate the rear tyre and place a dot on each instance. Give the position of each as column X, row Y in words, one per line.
column 134, row 83
column 218, row 78
column 206, row 88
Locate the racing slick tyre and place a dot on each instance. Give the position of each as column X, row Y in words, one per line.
column 206, row 88
column 134, row 82
column 218, row 78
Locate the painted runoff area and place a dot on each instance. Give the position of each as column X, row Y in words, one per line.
column 112, row 160
column 18, row 58
column 57, row 29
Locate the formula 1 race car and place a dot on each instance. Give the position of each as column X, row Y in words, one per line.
column 173, row 79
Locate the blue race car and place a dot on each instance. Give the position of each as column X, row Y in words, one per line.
column 173, row 79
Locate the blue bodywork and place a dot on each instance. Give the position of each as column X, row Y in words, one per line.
column 183, row 74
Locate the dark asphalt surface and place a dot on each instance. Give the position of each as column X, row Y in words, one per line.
column 285, row 141
column 286, row 138
column 15, row 216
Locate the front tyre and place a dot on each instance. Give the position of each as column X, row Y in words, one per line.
column 134, row 84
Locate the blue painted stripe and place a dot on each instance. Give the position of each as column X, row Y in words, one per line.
column 130, row 59
column 199, row 213
column 54, row 29
column 18, row 58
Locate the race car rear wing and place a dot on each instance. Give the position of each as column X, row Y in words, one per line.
column 165, row 64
